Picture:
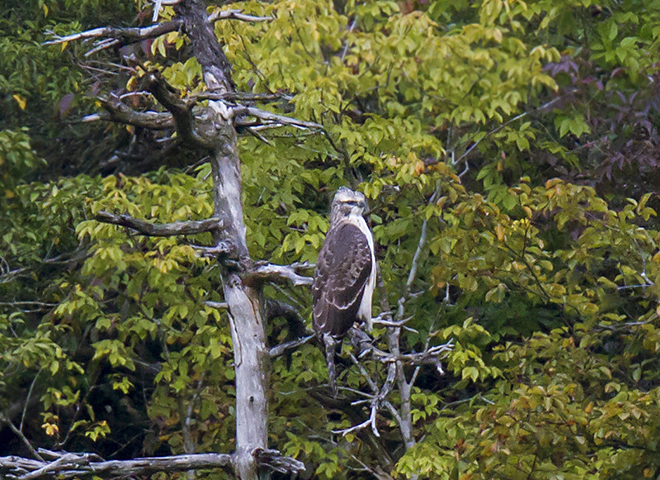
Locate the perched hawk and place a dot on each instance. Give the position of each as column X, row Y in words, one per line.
column 345, row 274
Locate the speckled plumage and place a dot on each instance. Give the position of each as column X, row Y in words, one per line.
column 345, row 273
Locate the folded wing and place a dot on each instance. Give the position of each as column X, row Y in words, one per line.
column 342, row 272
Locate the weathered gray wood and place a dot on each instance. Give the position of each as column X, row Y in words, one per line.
column 273, row 272
column 209, row 130
column 251, row 359
column 161, row 230
column 82, row 465
column 213, row 131
column 129, row 35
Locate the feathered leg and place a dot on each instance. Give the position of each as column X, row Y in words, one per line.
column 330, row 347
column 361, row 341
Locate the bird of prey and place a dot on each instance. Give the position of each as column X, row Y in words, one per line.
column 345, row 274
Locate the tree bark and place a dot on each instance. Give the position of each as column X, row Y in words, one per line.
column 65, row 465
column 251, row 359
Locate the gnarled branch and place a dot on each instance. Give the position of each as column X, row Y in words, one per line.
column 121, row 35
column 163, row 230
column 109, row 36
column 180, row 109
column 76, row 465
column 298, row 333
column 273, row 272
column 116, row 111
column 277, row 462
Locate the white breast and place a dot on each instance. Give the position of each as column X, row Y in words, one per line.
column 364, row 312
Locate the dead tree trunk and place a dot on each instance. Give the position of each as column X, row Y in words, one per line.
column 210, row 131
column 251, row 360
column 216, row 132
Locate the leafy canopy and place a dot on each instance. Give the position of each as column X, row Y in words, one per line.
column 521, row 135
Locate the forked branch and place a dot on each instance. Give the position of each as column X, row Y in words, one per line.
column 430, row 356
column 180, row 109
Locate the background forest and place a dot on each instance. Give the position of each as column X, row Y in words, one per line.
column 509, row 150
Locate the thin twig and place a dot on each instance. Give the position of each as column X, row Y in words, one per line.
column 505, row 124
column 273, row 117
column 27, row 400
column 350, row 30
column 281, row 348
column 20, row 435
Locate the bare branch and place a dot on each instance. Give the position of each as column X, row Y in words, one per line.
column 272, row 117
column 122, row 35
column 277, row 462
column 500, row 127
column 72, row 465
column 222, row 249
column 20, row 434
column 278, row 350
column 27, row 403
column 428, row 356
column 170, row 98
column 165, row 230
column 17, row 304
column 181, row 114
column 395, row 359
column 11, row 275
column 110, row 36
column 427, row 343
column 372, row 384
column 217, row 305
column 116, row 111
column 413, row 272
column 102, row 45
column 376, row 401
column 236, row 15
column 252, row 131
column 380, row 320
column 242, row 96
column 371, row 421
column 287, row 272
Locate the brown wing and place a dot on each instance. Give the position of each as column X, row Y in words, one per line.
column 342, row 272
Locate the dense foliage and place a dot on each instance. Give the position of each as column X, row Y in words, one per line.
column 520, row 136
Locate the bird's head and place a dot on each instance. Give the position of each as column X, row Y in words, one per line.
column 347, row 202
